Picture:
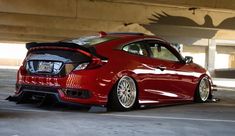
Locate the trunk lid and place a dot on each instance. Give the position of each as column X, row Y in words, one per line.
column 55, row 59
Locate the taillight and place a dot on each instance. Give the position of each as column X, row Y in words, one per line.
column 95, row 63
column 22, row 71
column 82, row 66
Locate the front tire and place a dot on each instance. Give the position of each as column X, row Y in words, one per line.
column 124, row 95
column 203, row 91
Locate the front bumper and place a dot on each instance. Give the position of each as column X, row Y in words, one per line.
column 214, row 88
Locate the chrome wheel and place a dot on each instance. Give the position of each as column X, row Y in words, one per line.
column 204, row 89
column 126, row 92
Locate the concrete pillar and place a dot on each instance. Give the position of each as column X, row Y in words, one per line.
column 232, row 61
column 211, row 52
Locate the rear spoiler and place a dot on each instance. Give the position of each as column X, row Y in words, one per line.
column 59, row 44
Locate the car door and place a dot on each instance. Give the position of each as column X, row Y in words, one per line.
column 168, row 69
column 138, row 56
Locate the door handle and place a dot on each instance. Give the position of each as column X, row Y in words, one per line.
column 162, row 68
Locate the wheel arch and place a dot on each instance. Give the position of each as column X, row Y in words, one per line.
column 209, row 78
column 118, row 76
column 204, row 75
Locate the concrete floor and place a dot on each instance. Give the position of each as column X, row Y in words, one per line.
column 209, row 119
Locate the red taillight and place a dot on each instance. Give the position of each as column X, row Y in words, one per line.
column 22, row 70
column 96, row 62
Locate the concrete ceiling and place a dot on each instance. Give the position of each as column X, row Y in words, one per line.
column 51, row 20
column 212, row 4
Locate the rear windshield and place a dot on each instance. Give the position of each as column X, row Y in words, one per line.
column 58, row 55
column 90, row 40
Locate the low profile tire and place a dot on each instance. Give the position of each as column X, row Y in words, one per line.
column 124, row 95
column 203, row 91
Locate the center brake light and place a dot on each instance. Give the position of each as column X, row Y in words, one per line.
column 102, row 34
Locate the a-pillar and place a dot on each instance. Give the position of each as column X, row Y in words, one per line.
column 211, row 52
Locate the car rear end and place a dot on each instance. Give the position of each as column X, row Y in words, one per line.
column 65, row 70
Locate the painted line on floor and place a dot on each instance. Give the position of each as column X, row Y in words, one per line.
column 8, row 80
column 169, row 118
column 23, row 110
column 3, row 100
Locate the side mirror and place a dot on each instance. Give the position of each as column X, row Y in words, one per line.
column 188, row 59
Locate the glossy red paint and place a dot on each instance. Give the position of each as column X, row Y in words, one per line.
column 176, row 83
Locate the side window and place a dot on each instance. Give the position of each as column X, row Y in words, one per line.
column 159, row 51
column 136, row 48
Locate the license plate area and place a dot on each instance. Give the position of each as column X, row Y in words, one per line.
column 45, row 67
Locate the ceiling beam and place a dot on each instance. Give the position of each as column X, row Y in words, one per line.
column 57, row 22
column 29, row 38
column 29, row 30
column 61, row 8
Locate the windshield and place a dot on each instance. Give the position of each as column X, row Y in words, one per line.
column 90, row 40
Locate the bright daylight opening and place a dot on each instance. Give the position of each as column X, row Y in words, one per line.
column 12, row 54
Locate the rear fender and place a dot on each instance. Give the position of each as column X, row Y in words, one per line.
column 120, row 75
column 124, row 73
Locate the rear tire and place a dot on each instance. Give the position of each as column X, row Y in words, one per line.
column 203, row 91
column 124, row 95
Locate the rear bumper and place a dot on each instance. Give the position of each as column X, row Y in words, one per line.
column 89, row 86
column 60, row 94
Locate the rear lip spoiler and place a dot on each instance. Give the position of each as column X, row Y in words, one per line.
column 57, row 44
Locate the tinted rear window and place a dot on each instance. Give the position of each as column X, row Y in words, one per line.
column 90, row 40
column 58, row 55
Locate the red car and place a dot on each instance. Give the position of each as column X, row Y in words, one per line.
column 118, row 70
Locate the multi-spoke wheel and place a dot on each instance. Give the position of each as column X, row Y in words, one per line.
column 203, row 90
column 124, row 95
